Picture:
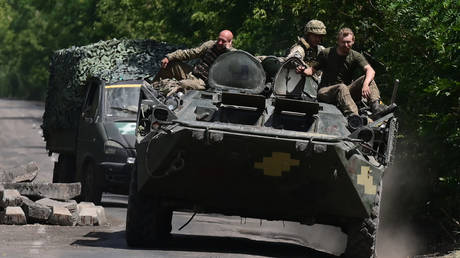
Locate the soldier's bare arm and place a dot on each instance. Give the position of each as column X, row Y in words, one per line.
column 370, row 74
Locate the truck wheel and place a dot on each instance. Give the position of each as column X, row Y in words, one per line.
column 92, row 183
column 362, row 234
column 64, row 169
column 148, row 224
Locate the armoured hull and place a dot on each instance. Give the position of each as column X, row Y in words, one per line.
column 265, row 175
column 249, row 148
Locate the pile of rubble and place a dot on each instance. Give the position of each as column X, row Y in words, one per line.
column 23, row 201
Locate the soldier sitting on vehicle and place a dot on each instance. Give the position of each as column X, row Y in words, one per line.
column 308, row 47
column 304, row 53
column 338, row 64
column 176, row 75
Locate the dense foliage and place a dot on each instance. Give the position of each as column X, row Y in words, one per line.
column 415, row 41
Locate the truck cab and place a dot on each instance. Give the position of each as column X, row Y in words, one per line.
column 104, row 143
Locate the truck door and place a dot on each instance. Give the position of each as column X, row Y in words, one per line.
column 90, row 139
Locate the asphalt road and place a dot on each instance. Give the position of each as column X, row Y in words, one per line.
column 206, row 236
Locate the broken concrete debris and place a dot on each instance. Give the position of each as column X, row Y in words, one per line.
column 90, row 214
column 35, row 212
column 23, row 173
column 57, row 191
column 17, row 209
column 70, row 205
column 13, row 216
column 10, row 197
column 60, row 216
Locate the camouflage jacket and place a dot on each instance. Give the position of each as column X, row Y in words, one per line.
column 192, row 53
column 207, row 54
column 303, row 51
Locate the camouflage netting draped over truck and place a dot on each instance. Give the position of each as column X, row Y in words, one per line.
column 111, row 61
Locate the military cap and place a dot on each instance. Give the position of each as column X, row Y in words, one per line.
column 315, row 27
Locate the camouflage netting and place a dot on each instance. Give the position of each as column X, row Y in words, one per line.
column 111, row 61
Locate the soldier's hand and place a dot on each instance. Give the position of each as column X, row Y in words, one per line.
column 308, row 71
column 300, row 69
column 164, row 62
column 366, row 91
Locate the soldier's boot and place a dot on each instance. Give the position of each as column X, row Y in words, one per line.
column 378, row 110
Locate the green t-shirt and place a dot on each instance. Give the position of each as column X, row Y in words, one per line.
column 338, row 69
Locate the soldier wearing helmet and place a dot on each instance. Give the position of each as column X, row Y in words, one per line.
column 308, row 46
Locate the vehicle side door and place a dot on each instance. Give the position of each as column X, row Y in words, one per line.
column 90, row 139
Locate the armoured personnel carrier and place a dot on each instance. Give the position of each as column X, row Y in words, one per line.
column 260, row 146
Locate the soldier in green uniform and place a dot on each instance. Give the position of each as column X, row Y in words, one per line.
column 338, row 64
column 308, row 47
column 175, row 74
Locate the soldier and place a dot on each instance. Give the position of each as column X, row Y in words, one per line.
column 308, row 47
column 176, row 74
column 338, row 64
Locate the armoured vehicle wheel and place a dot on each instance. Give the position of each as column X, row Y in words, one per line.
column 64, row 169
column 362, row 234
column 92, row 184
column 148, row 224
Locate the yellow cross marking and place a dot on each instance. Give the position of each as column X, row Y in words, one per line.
column 123, row 86
column 277, row 163
column 366, row 180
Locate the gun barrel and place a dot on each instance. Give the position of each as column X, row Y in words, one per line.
column 395, row 91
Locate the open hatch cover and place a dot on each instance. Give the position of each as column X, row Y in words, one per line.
column 237, row 71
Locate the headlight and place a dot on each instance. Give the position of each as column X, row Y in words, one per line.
column 111, row 147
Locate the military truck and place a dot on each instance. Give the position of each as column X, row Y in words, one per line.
column 257, row 147
column 91, row 110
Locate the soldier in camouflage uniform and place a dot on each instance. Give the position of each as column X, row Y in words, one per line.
column 176, row 75
column 308, row 47
column 338, row 64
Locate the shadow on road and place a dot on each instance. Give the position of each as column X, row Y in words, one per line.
column 213, row 244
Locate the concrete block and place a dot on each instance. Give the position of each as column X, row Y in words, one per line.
column 90, row 214
column 35, row 212
column 10, row 197
column 60, row 216
column 101, row 218
column 13, row 216
column 82, row 205
column 71, row 205
column 87, row 216
column 23, row 173
column 58, row 191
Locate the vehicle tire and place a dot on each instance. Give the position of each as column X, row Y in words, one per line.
column 362, row 234
column 64, row 169
column 148, row 224
column 92, row 184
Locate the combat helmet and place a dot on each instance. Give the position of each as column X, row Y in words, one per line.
column 315, row 27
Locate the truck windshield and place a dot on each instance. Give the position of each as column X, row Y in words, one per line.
column 121, row 100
